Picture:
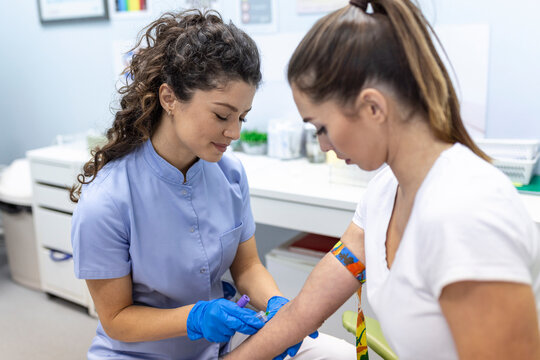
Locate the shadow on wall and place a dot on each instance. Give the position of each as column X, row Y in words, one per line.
column 3, row 253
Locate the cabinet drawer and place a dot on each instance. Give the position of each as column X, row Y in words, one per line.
column 58, row 277
column 52, row 173
column 53, row 197
column 53, row 229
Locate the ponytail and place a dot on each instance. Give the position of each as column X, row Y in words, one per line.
column 434, row 83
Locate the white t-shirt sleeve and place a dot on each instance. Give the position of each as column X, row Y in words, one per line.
column 478, row 240
column 382, row 184
column 359, row 217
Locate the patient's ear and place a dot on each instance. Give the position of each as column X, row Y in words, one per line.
column 372, row 105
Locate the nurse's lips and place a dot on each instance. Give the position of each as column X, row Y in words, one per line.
column 221, row 147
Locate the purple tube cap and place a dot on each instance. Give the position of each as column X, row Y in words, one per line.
column 243, row 301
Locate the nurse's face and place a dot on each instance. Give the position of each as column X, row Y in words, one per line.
column 356, row 138
column 206, row 125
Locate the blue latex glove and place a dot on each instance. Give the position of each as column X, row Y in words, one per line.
column 217, row 320
column 272, row 307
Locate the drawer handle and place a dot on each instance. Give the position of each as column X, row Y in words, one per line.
column 63, row 256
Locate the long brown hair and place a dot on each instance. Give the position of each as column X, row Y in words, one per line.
column 189, row 51
column 350, row 47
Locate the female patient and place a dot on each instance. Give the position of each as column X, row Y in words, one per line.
column 452, row 257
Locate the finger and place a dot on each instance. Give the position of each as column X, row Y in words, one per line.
column 219, row 338
column 219, row 335
column 277, row 302
column 314, row 335
column 239, row 325
column 247, row 316
column 293, row 349
column 281, row 357
column 248, row 330
column 231, row 322
column 271, row 314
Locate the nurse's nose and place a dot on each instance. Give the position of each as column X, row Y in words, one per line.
column 232, row 131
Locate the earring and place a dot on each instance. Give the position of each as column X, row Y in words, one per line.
column 169, row 112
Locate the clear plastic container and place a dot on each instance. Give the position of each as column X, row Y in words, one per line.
column 520, row 172
column 516, row 158
column 341, row 173
column 520, row 149
column 314, row 153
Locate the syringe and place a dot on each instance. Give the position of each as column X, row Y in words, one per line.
column 262, row 315
column 244, row 300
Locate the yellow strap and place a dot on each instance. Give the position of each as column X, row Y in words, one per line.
column 355, row 267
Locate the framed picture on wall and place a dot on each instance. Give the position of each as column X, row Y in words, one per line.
column 72, row 10
column 129, row 9
column 258, row 16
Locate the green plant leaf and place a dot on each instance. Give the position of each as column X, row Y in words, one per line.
column 253, row 137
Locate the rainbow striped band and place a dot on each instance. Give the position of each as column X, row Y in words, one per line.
column 350, row 261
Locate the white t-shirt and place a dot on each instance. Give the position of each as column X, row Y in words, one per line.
column 467, row 223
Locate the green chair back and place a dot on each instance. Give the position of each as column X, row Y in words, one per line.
column 374, row 335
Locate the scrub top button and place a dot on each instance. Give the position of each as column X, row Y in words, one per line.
column 184, row 192
column 203, row 270
column 192, row 229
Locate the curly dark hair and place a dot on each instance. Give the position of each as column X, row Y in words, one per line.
column 190, row 50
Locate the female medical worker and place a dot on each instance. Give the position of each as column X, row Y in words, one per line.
column 163, row 212
column 452, row 257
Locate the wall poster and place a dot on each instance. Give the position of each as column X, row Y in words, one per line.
column 318, row 6
column 64, row 10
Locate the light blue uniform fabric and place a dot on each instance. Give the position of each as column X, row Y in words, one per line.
column 176, row 240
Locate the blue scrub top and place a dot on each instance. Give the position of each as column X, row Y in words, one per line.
column 176, row 239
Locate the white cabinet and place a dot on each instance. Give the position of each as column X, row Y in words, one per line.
column 292, row 194
column 54, row 228
column 54, row 171
column 58, row 278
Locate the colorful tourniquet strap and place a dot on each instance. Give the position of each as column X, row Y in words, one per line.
column 355, row 267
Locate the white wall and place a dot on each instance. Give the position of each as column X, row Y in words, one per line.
column 59, row 79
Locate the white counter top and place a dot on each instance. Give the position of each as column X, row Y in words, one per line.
column 299, row 181
column 279, row 181
column 309, row 183
column 73, row 154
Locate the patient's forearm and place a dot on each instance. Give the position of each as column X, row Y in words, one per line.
column 326, row 289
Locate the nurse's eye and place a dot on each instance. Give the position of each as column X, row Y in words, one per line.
column 322, row 130
column 222, row 118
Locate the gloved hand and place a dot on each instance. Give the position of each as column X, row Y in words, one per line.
column 272, row 307
column 217, row 320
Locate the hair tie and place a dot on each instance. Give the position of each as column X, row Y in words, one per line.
column 362, row 4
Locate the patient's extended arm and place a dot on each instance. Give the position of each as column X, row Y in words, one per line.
column 328, row 286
